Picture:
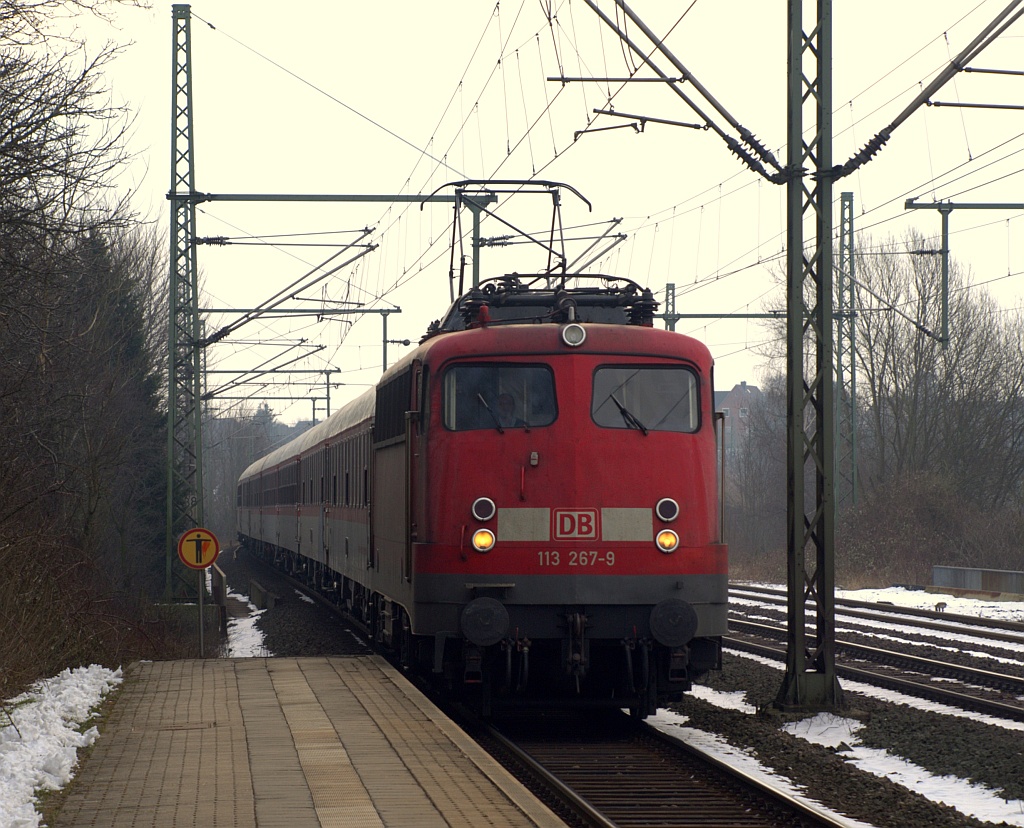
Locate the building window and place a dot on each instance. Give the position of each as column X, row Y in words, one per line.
column 725, row 412
column 744, row 412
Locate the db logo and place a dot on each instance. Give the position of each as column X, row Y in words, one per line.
column 575, row 524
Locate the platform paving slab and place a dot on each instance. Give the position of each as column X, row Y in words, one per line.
column 287, row 743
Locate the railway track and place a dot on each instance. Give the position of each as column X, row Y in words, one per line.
column 911, row 687
column 986, row 691
column 935, row 620
column 608, row 771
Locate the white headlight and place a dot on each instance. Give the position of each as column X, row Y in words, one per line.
column 483, row 508
column 667, row 509
column 573, row 335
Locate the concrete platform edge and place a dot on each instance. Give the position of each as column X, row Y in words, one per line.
column 532, row 807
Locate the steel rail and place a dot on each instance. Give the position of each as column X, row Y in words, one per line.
column 912, row 688
column 975, row 675
column 804, row 809
column 886, row 615
column 573, row 800
column 770, row 595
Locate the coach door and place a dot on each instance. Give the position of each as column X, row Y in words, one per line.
column 394, row 448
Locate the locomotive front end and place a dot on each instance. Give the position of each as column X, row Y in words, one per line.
column 568, row 543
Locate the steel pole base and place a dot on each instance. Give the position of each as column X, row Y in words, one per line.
column 809, row 691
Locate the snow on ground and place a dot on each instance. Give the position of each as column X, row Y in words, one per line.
column 41, row 730
column 40, row 734
column 674, row 725
column 919, row 599
column 244, row 640
column 833, row 731
column 973, row 800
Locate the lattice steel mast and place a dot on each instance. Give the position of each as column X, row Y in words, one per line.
column 184, row 363
column 846, row 362
column 810, row 679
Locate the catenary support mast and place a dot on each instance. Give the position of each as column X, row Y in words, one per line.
column 810, row 679
column 846, row 363
column 184, row 374
column 187, row 341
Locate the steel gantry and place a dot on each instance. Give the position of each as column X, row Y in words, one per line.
column 945, row 208
column 811, row 362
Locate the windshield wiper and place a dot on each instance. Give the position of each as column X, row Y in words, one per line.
column 628, row 416
column 497, row 422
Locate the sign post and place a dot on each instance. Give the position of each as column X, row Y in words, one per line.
column 198, row 549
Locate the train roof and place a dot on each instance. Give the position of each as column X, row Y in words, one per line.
column 517, row 310
column 349, row 415
column 538, row 298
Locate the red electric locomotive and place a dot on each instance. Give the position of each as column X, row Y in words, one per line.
column 525, row 506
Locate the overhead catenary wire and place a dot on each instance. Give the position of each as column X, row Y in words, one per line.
column 1003, row 20
column 407, row 269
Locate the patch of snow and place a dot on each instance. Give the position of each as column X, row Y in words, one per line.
column 968, row 798
column 731, row 701
column 244, row 639
column 836, row 732
column 40, row 734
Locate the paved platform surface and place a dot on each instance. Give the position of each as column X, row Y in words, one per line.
column 289, row 742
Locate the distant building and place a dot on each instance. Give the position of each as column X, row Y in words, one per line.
column 735, row 406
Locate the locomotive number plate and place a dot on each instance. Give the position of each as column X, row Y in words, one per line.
column 576, row 558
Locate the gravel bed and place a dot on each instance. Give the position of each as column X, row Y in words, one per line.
column 942, row 744
column 293, row 626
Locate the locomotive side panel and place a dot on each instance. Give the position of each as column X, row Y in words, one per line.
column 390, row 573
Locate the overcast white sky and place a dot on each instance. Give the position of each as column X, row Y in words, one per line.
column 324, row 97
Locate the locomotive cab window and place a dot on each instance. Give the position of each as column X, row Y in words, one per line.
column 646, row 398
column 498, row 395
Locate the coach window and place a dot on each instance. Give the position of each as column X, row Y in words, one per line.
column 475, row 395
column 646, row 398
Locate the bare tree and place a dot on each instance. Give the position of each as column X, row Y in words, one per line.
column 940, row 427
column 82, row 430
column 756, row 487
column 951, row 410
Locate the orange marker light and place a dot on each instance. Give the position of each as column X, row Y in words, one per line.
column 667, row 540
column 483, row 540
